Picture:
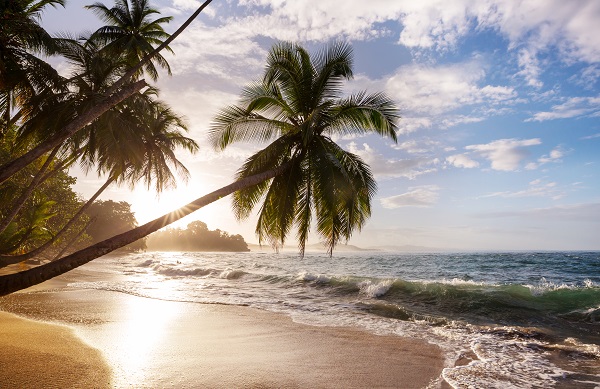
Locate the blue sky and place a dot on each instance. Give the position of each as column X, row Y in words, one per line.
column 500, row 103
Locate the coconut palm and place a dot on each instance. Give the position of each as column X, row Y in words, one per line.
column 299, row 104
column 131, row 32
column 138, row 146
column 119, row 91
column 22, row 74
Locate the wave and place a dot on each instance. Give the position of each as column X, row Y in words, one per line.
column 544, row 304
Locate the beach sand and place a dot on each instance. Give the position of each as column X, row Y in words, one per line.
column 113, row 339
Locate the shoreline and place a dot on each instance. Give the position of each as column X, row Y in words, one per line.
column 36, row 354
column 155, row 343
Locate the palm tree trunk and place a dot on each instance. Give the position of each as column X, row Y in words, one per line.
column 12, row 282
column 6, row 260
column 70, row 243
column 18, row 204
column 10, row 168
column 14, row 166
column 6, row 116
column 63, row 164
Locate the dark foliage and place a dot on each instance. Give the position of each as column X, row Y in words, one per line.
column 196, row 237
column 111, row 218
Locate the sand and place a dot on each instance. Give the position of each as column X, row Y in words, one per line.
column 112, row 339
column 41, row 355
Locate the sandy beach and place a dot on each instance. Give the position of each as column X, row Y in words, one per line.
column 94, row 338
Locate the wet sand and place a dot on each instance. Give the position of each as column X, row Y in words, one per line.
column 119, row 340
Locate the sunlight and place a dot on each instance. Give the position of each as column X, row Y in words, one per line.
column 143, row 330
column 148, row 206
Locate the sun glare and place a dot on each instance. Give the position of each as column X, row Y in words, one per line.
column 140, row 337
column 148, row 206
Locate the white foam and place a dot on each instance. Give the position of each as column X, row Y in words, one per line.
column 231, row 274
column 306, row 276
column 178, row 272
column 375, row 289
column 146, row 263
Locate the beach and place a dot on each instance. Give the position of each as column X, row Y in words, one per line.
column 79, row 337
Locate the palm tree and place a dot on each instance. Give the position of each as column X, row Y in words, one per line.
column 119, row 91
column 299, row 104
column 22, row 74
column 139, row 145
column 132, row 33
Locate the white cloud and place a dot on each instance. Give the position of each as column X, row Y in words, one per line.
column 228, row 52
column 536, row 188
column 462, row 160
column 505, row 154
column 589, row 212
column 383, row 167
column 554, row 157
column 434, row 90
column 419, row 196
column 421, row 146
column 431, row 95
column 593, row 136
column 531, row 27
column 530, row 68
column 573, row 107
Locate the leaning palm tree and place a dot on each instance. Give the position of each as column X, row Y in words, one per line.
column 22, row 73
column 299, row 104
column 131, row 32
column 120, row 90
column 139, row 147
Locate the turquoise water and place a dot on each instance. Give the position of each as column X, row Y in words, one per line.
column 513, row 311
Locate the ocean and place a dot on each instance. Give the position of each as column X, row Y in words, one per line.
column 503, row 320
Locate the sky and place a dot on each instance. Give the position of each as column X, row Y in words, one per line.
column 500, row 103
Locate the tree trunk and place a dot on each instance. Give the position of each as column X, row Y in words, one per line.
column 77, row 124
column 18, row 204
column 70, row 243
column 65, row 163
column 13, row 282
column 6, row 260
column 14, row 166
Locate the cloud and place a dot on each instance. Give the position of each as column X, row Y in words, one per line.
column 419, row 196
column 554, row 157
column 536, row 188
column 505, row 154
column 430, row 95
column 588, row 212
column 593, row 136
column 531, row 28
column 573, row 107
column 434, row 90
column 383, row 167
column 462, row 160
column 421, row 146
column 530, row 68
column 228, row 53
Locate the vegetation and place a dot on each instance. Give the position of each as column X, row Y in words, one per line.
column 109, row 218
column 298, row 106
column 46, row 211
column 131, row 141
column 196, row 237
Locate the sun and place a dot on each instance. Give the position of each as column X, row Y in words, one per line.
column 147, row 205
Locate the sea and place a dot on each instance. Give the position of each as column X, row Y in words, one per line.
column 502, row 319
